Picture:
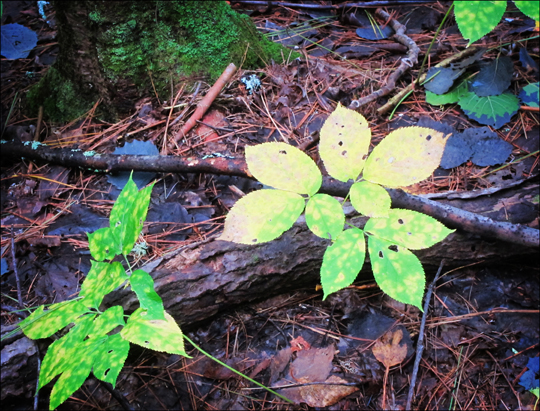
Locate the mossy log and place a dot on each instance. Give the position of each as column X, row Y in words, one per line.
column 211, row 277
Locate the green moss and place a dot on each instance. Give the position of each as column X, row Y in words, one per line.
column 172, row 40
column 59, row 97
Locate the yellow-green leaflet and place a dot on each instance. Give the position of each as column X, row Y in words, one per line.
column 370, row 199
column 262, row 216
column 343, row 260
column 344, row 145
column 157, row 335
column 408, row 228
column 406, row 156
column 324, row 216
column 284, row 167
column 398, row 272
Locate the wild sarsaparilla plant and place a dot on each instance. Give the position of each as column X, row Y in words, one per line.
column 99, row 341
column 406, row 156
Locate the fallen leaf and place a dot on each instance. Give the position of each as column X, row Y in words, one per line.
column 388, row 349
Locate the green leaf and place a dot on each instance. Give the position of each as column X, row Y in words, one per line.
column 43, row 324
column 370, row 199
column 494, row 111
column 408, row 228
column 284, row 167
column 103, row 244
column 529, row 8
column 475, row 19
column 143, row 285
column 397, row 271
column 108, row 321
column 324, row 216
column 406, row 156
column 529, row 94
column 262, row 216
column 100, row 281
column 82, row 356
column 342, row 261
column 345, row 138
column 157, row 335
column 112, row 354
column 62, row 354
column 448, row 98
column 128, row 215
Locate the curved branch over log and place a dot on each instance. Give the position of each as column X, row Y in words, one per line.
column 451, row 216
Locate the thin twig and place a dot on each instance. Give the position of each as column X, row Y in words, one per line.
column 406, row 62
column 164, row 146
column 420, row 344
column 15, row 271
column 207, row 101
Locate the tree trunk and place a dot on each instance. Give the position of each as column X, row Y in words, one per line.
column 207, row 278
column 119, row 51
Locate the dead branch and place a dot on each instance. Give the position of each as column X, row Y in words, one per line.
column 451, row 216
column 207, row 101
column 406, row 63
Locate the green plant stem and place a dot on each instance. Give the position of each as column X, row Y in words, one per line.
column 235, row 371
column 511, row 163
column 433, row 41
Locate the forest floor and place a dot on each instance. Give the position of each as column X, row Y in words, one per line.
column 482, row 328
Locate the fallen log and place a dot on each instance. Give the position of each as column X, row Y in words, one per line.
column 204, row 279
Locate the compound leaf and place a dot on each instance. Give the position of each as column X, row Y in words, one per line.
column 406, row 156
column 397, row 271
column 112, row 355
column 475, row 19
column 284, row 167
column 43, row 324
column 494, row 111
column 408, row 228
column 342, row 261
column 143, row 285
column 128, row 215
column 370, row 199
column 100, row 281
column 262, row 216
column 157, row 335
column 345, row 138
column 324, row 216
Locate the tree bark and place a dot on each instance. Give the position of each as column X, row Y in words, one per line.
column 207, row 278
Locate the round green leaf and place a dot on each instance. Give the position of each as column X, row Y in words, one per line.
column 342, row 261
column 397, row 271
column 345, row 138
column 324, row 216
column 529, row 8
column 284, row 167
column 370, row 199
column 262, row 216
column 157, row 335
column 406, row 156
column 475, row 19
column 408, row 228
